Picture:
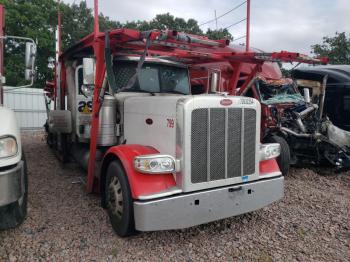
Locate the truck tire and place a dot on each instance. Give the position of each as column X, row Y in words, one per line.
column 119, row 201
column 14, row 214
column 284, row 158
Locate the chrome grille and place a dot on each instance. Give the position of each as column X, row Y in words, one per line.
column 199, row 145
column 217, row 144
column 249, row 141
column 223, row 143
column 234, row 142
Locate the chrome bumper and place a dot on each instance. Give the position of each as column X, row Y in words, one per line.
column 11, row 184
column 197, row 208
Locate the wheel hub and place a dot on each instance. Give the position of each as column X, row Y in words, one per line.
column 115, row 197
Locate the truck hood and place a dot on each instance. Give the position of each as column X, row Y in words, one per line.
column 9, row 127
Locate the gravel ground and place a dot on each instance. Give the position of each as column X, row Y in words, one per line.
column 311, row 223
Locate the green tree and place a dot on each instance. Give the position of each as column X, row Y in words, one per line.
column 337, row 48
column 34, row 19
column 168, row 21
column 37, row 19
column 219, row 34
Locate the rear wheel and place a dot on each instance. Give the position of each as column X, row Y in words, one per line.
column 14, row 214
column 284, row 158
column 119, row 201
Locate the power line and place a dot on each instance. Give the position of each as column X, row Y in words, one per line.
column 212, row 20
column 235, row 39
column 240, row 21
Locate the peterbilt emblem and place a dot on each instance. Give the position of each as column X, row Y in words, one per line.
column 226, row 102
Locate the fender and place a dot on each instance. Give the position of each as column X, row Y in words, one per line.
column 267, row 167
column 140, row 184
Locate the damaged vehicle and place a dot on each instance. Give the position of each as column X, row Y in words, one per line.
column 299, row 124
column 337, row 100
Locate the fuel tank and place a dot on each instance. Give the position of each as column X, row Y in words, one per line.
column 107, row 122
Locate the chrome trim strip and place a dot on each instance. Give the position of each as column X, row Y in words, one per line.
column 208, row 146
column 150, row 59
column 270, row 175
column 242, row 142
column 168, row 192
column 226, row 140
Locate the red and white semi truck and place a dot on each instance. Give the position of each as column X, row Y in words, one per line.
column 160, row 157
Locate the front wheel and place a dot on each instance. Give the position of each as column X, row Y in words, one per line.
column 283, row 159
column 119, row 201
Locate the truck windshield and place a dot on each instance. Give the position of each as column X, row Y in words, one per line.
column 153, row 78
column 274, row 94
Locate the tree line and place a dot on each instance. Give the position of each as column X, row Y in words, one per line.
column 37, row 19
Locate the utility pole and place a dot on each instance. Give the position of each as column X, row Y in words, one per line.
column 216, row 20
column 247, row 35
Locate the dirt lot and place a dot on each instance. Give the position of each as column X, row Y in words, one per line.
column 311, row 223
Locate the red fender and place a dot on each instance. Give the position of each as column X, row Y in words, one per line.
column 268, row 166
column 140, row 184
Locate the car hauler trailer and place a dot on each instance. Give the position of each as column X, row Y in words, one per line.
column 160, row 157
column 13, row 168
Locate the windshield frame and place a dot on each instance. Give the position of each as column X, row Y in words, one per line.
column 156, row 62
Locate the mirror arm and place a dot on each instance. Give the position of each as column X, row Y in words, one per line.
column 18, row 37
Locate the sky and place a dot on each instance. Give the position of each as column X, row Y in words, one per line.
column 291, row 25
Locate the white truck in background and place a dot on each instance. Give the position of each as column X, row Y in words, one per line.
column 13, row 168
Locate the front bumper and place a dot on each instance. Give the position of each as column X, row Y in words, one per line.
column 12, row 184
column 197, row 208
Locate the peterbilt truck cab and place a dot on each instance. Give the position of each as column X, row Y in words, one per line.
column 166, row 159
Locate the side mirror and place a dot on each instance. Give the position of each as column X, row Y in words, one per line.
column 214, row 78
column 29, row 74
column 30, row 55
column 88, row 71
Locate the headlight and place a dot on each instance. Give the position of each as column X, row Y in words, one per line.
column 8, row 147
column 269, row 151
column 154, row 164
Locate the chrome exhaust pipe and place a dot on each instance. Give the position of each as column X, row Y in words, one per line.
column 289, row 131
